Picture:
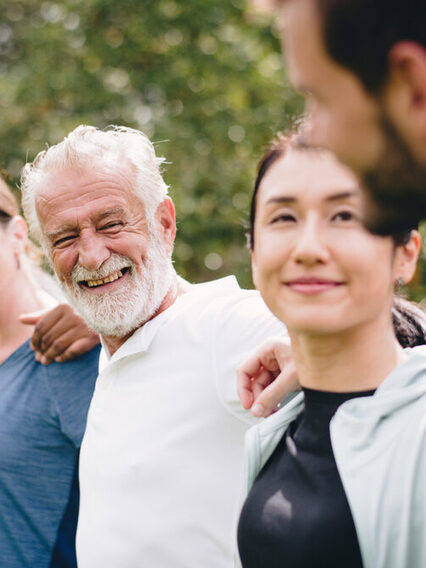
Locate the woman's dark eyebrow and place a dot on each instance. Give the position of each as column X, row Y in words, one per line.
column 342, row 195
column 282, row 199
column 289, row 199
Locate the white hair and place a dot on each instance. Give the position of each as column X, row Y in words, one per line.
column 85, row 145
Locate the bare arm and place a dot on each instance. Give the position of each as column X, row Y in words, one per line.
column 267, row 376
column 59, row 335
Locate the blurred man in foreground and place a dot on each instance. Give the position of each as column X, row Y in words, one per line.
column 362, row 66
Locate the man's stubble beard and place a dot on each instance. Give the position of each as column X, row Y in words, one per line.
column 396, row 187
column 118, row 314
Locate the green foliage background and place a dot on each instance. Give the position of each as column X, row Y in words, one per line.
column 203, row 78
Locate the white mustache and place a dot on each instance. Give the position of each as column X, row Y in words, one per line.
column 113, row 264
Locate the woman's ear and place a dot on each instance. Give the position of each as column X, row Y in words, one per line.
column 17, row 230
column 406, row 257
column 253, row 268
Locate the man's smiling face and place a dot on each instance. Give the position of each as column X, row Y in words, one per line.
column 111, row 257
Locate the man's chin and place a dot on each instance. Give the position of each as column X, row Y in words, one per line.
column 115, row 331
column 106, row 316
column 117, row 325
column 389, row 212
column 395, row 186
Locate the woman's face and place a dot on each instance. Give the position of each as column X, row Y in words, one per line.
column 317, row 268
column 12, row 238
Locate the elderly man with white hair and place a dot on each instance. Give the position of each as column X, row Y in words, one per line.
column 161, row 460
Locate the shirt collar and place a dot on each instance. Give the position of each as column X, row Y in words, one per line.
column 142, row 338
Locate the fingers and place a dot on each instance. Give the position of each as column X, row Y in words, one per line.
column 61, row 335
column 262, row 380
column 276, row 353
column 41, row 358
column 244, row 388
column 256, row 377
column 78, row 348
column 33, row 317
column 252, row 371
column 56, row 347
column 267, row 398
column 43, row 335
column 50, row 327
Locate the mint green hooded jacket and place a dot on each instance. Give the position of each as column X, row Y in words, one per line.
column 379, row 444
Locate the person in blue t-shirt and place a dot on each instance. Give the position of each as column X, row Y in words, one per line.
column 42, row 417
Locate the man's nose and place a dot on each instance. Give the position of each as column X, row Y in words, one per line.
column 311, row 247
column 315, row 131
column 92, row 252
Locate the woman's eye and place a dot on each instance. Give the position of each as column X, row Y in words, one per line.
column 343, row 216
column 283, row 218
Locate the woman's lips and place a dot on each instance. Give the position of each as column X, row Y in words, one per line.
column 312, row 285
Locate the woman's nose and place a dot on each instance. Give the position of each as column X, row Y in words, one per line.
column 311, row 247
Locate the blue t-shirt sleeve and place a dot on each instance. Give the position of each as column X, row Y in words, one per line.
column 71, row 387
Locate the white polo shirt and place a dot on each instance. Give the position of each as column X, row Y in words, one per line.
column 161, row 465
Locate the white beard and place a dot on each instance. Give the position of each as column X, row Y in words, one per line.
column 118, row 313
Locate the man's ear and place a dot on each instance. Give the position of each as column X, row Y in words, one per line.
column 405, row 93
column 166, row 217
column 406, row 257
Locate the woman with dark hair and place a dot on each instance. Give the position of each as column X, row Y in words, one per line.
column 42, row 413
column 337, row 475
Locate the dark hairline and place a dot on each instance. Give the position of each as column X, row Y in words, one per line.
column 276, row 150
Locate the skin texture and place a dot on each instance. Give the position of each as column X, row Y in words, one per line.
column 59, row 334
column 308, row 225
column 17, row 292
column 317, row 234
column 267, row 376
column 343, row 116
column 86, row 216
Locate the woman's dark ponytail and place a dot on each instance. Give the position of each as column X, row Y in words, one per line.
column 409, row 322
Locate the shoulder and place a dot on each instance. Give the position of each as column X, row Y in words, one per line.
column 22, row 370
column 71, row 385
column 225, row 298
column 85, row 367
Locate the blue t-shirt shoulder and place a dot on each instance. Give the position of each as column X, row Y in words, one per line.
column 43, row 413
column 72, row 402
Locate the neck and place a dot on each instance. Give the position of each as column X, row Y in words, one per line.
column 179, row 286
column 17, row 299
column 357, row 360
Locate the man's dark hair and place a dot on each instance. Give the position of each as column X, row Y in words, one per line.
column 358, row 34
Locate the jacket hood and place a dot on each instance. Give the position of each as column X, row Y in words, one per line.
column 403, row 392
column 405, row 384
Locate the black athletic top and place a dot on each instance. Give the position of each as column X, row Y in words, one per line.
column 297, row 514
